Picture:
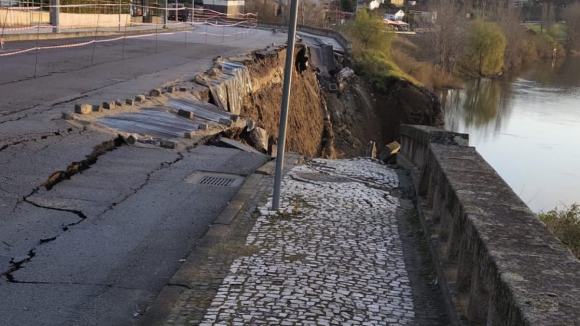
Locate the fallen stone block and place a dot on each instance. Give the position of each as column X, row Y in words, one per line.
column 185, row 114
column 97, row 108
column 168, row 144
column 203, row 126
column 155, row 92
column 131, row 139
column 389, row 150
column 226, row 122
column 109, row 105
column 130, row 101
column 140, row 98
column 83, row 108
column 68, row 115
column 171, row 89
column 260, row 138
column 251, row 124
column 273, row 151
column 371, row 150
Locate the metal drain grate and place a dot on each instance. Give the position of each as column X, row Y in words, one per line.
column 216, row 181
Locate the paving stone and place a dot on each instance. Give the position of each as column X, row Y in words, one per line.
column 83, row 108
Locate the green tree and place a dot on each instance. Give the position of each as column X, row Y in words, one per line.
column 369, row 33
column 486, row 48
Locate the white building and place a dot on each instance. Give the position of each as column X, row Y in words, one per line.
column 369, row 4
column 394, row 14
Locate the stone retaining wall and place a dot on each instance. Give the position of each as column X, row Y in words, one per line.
column 497, row 262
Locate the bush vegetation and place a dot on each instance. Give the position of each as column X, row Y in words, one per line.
column 372, row 50
column 565, row 224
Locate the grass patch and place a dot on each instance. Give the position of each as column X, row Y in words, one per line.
column 565, row 224
column 297, row 202
column 380, row 70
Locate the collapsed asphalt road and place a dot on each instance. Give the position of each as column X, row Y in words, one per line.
column 97, row 248
column 92, row 229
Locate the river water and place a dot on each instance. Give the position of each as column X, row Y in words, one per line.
column 527, row 126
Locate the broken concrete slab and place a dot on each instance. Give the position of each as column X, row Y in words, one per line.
column 236, row 144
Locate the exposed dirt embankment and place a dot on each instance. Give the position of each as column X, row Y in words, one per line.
column 361, row 115
column 306, row 119
column 324, row 124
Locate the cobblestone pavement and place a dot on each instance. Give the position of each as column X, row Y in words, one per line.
column 332, row 256
column 345, row 249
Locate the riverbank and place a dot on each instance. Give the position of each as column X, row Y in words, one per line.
column 410, row 53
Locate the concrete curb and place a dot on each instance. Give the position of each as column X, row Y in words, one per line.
column 161, row 307
column 234, row 207
column 52, row 36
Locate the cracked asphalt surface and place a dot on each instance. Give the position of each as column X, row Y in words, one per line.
column 91, row 230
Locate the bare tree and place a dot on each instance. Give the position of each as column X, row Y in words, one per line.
column 509, row 18
column 446, row 32
column 548, row 17
column 572, row 18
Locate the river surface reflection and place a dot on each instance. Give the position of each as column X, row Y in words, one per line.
column 527, row 126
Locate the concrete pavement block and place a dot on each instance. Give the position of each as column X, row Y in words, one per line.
column 189, row 134
column 203, row 126
column 168, row 144
column 109, row 105
column 155, row 92
column 226, row 122
column 83, row 108
column 119, row 103
column 68, row 115
column 130, row 101
column 140, row 98
column 171, row 89
column 185, row 114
